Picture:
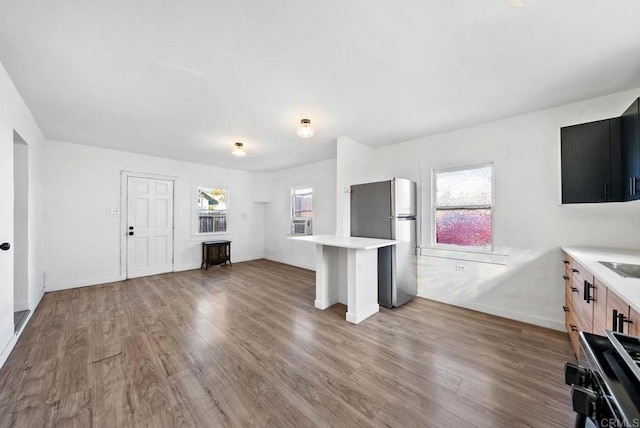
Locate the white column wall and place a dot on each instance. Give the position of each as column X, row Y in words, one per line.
column 16, row 117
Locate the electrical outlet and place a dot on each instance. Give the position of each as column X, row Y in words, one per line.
column 115, row 211
column 461, row 267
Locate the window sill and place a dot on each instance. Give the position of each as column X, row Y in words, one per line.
column 472, row 256
column 204, row 236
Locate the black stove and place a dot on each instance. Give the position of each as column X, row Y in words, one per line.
column 605, row 389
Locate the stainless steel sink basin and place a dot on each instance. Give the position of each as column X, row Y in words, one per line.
column 623, row 269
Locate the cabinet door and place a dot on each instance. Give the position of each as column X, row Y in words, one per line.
column 616, row 307
column 599, row 294
column 630, row 136
column 582, row 308
column 634, row 325
column 586, row 162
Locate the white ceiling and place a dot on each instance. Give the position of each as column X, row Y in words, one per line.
column 186, row 79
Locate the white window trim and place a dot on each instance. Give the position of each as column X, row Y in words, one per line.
column 498, row 253
column 194, row 211
column 291, row 205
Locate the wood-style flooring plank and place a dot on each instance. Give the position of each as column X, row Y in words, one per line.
column 244, row 346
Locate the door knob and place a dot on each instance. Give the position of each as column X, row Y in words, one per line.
column 5, row 246
column 130, row 233
column 130, row 227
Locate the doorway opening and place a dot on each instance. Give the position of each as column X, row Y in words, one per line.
column 20, row 231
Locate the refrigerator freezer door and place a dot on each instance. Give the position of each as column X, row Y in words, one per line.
column 371, row 210
column 403, row 198
column 404, row 261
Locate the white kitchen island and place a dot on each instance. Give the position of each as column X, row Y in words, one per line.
column 347, row 260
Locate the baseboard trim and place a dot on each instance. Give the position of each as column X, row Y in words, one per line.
column 363, row 314
column 288, row 262
column 6, row 352
column 84, row 283
column 503, row 313
column 110, row 279
column 194, row 266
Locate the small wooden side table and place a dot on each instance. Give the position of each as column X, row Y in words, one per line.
column 215, row 253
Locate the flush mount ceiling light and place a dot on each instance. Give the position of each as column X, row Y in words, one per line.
column 304, row 129
column 238, row 150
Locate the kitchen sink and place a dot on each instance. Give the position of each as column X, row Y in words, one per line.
column 623, row 269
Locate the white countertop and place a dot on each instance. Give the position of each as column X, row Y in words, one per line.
column 627, row 288
column 345, row 241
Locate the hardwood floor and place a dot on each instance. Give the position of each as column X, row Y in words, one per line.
column 244, row 346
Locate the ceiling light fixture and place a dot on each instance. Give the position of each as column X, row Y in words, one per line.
column 238, row 150
column 304, row 129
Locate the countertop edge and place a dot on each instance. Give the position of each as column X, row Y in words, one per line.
column 333, row 241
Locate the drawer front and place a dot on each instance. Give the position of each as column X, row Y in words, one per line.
column 582, row 310
column 568, row 294
column 580, row 274
column 566, row 260
column 572, row 332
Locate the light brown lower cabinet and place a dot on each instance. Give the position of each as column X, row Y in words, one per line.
column 591, row 307
column 634, row 326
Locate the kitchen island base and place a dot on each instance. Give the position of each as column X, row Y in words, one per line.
column 353, row 261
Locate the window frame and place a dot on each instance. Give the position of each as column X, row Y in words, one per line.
column 434, row 208
column 196, row 209
column 454, row 159
column 292, row 201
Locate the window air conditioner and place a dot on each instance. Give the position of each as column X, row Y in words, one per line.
column 301, row 226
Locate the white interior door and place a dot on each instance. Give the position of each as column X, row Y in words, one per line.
column 6, row 236
column 149, row 226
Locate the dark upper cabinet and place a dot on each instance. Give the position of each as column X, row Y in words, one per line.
column 590, row 161
column 630, row 130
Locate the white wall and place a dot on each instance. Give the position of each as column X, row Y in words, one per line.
column 529, row 287
column 83, row 237
column 15, row 117
column 356, row 164
column 322, row 177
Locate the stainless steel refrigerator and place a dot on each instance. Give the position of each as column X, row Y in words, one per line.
column 387, row 210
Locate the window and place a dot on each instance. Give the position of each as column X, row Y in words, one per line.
column 464, row 207
column 212, row 210
column 302, row 202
